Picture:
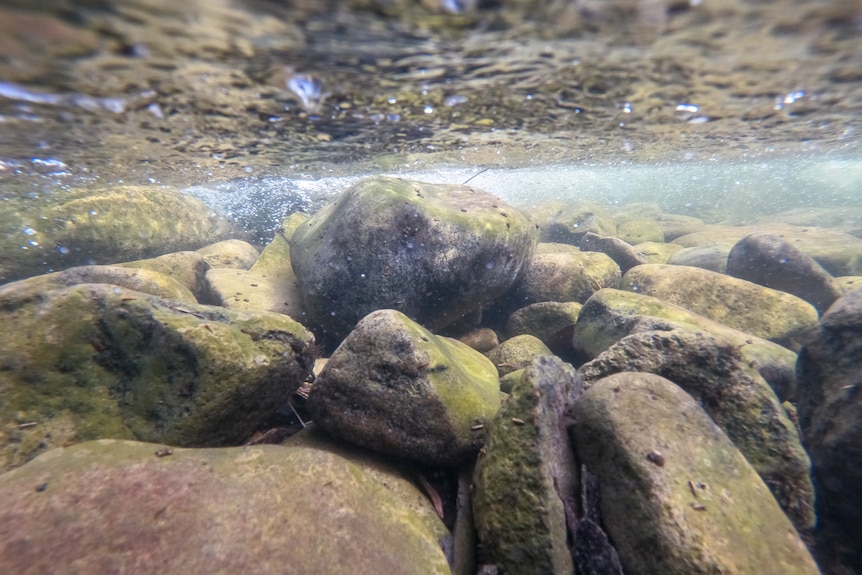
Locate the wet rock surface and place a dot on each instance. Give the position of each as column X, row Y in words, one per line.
column 565, row 276
column 676, row 495
column 734, row 395
column 830, row 414
column 394, row 387
column 107, row 506
column 123, row 364
column 434, row 252
column 623, row 253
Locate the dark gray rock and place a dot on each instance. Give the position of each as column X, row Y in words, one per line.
column 829, row 371
column 772, row 261
column 621, row 252
column 712, row 371
column 433, row 252
column 395, row 388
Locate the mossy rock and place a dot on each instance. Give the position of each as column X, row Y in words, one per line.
column 394, row 387
column 249, row 290
column 639, row 230
column 188, row 268
column 657, row 252
column 575, row 219
column 97, row 361
column 237, row 254
column 566, row 277
column 516, row 352
column 677, row 497
column 265, row 509
column 543, row 320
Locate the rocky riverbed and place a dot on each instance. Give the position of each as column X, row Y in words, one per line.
column 423, row 378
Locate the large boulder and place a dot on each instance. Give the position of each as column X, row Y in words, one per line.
column 394, row 387
column 526, row 474
column 677, row 497
column 565, row 276
column 830, row 413
column 738, row 399
column 98, row 361
column 114, row 506
column 434, row 252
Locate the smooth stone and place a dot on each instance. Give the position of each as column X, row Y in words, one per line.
column 657, row 252
column 106, row 226
column 677, row 497
column 139, row 280
column 555, row 248
column 274, row 260
column 247, row 290
column 677, row 225
column 749, row 307
column 114, row 506
column 188, row 268
column 830, row 414
column 624, row 254
column 516, row 352
column 547, row 320
column 848, row 283
column 525, row 473
column 95, row 361
column 711, row 257
column 481, row 339
column 565, row 277
column 394, row 387
column 610, row 315
column 236, row 254
column 771, row 261
column 639, row 230
column 736, row 397
column 574, row 219
column 434, row 252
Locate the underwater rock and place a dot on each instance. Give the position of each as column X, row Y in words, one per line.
column 676, row 225
column 657, row 252
column 96, row 361
column 247, row 290
column 749, row 307
column 236, row 254
column 516, row 352
column 734, row 395
column 677, row 497
column 711, row 257
column 395, row 388
column 621, row 252
column 848, row 283
column 481, row 339
column 639, row 230
column 140, row 280
column 565, row 276
column 830, row 414
column 108, row 506
column 188, row 268
column 106, row 226
column 771, row 261
column 610, row 315
column 434, row 252
column 573, row 220
column 545, row 320
column 526, row 474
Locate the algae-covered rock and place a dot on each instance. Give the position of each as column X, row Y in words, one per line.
column 657, row 252
column 188, row 268
column 274, row 260
column 736, row 397
column 639, row 230
column 237, row 254
column 434, row 252
column 623, row 253
column 526, row 474
column 110, row 506
column 481, row 339
column 574, row 219
column 249, row 290
column 749, row 307
column 830, row 414
column 571, row 276
column 545, row 320
column 516, row 352
column 105, row 226
column 611, row 314
column 712, row 257
column 142, row 280
column 394, row 387
column 96, row 361
column 677, row 497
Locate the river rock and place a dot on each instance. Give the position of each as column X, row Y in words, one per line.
column 848, row 283
column 395, row 388
column 657, row 252
column 830, row 414
column 574, row 219
column 97, row 361
column 237, row 254
column 248, row 290
column 761, row 311
column 711, row 257
column 482, row 339
column 188, row 268
column 735, row 396
column 677, row 497
column 517, row 352
column 114, row 506
column 610, row 315
column 621, row 252
column 526, row 474
column 434, row 252
column 565, row 277
column 550, row 321
column 105, row 226
column 771, row 261
column 639, row 230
